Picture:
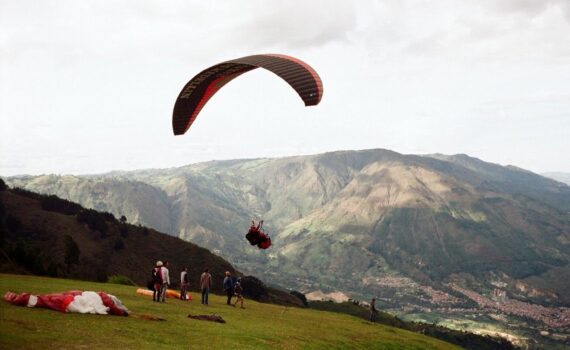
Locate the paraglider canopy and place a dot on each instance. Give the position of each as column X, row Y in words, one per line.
column 196, row 93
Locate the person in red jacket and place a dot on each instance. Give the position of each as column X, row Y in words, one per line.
column 253, row 235
column 264, row 241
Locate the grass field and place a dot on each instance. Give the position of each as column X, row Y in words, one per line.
column 258, row 326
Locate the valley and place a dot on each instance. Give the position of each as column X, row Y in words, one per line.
column 431, row 234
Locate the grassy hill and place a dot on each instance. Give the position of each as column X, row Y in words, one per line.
column 259, row 326
column 463, row 339
column 45, row 235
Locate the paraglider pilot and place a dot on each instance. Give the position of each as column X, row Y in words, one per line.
column 256, row 236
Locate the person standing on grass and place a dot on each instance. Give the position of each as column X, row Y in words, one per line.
column 228, row 287
column 184, row 284
column 205, row 285
column 238, row 291
column 165, row 281
column 373, row 311
column 156, row 281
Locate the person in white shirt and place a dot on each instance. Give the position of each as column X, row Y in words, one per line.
column 184, row 284
column 165, row 281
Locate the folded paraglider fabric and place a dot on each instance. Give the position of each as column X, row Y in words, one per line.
column 72, row 301
column 213, row 318
column 169, row 293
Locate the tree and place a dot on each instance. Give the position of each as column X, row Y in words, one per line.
column 123, row 229
column 13, row 223
column 93, row 219
column 301, row 296
column 71, row 251
column 119, row 244
column 3, row 186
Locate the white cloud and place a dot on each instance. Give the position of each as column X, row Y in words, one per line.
column 296, row 24
column 80, row 80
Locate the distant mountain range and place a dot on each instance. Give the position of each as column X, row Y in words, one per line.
column 558, row 176
column 413, row 230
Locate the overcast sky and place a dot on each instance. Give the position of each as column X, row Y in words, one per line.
column 89, row 86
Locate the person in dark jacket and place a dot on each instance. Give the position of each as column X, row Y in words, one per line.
column 373, row 310
column 229, row 287
column 156, row 281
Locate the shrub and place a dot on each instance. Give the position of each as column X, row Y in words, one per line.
column 301, row 296
column 120, row 279
column 93, row 219
column 71, row 251
column 13, row 223
column 26, row 193
column 109, row 217
column 119, row 244
column 52, row 269
column 27, row 257
column 124, row 230
column 253, row 288
column 56, row 204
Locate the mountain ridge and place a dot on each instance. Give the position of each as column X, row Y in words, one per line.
column 559, row 176
column 413, row 230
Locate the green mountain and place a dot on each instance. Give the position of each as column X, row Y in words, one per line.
column 45, row 235
column 421, row 232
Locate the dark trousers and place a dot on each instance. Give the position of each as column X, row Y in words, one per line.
column 205, row 292
column 373, row 315
column 156, row 292
column 183, row 291
column 229, row 294
column 163, row 289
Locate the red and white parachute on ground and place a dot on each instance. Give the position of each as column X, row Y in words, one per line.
column 72, row 301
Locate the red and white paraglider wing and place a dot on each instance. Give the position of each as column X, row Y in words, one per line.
column 72, row 301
